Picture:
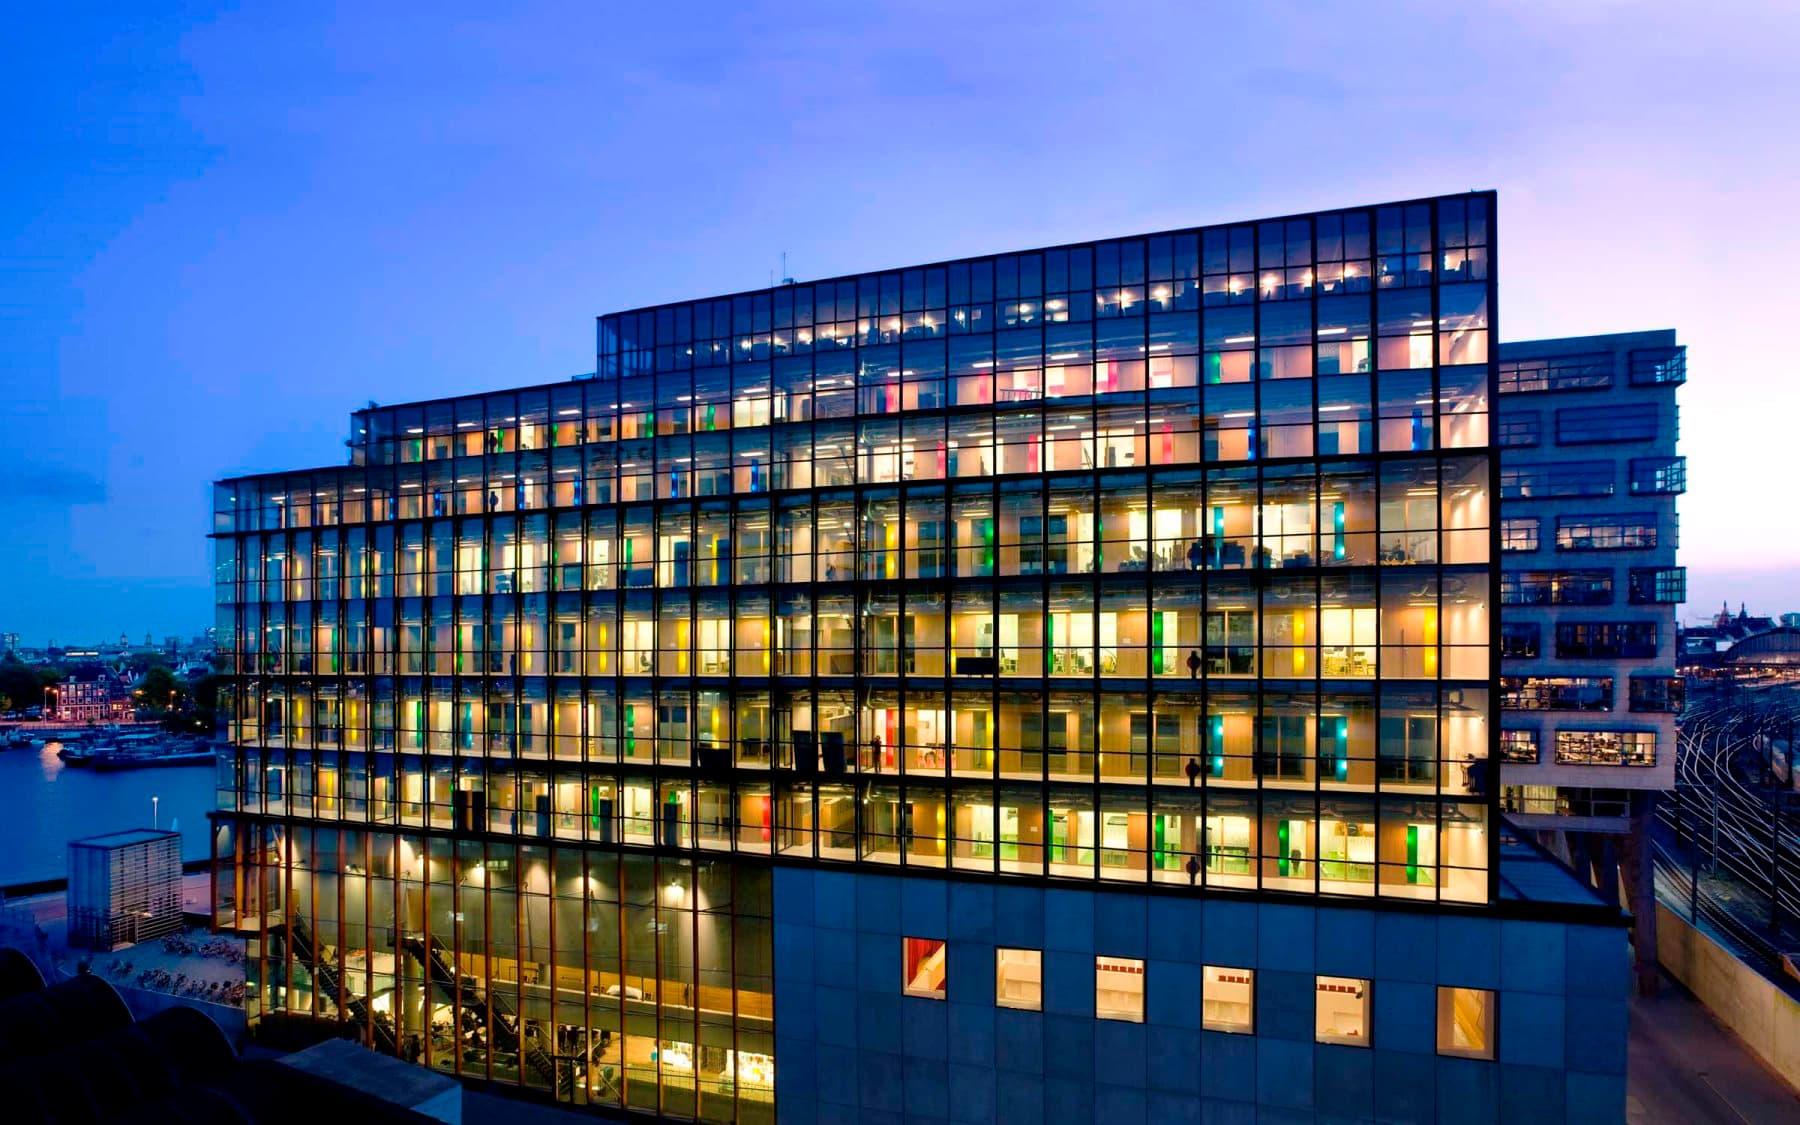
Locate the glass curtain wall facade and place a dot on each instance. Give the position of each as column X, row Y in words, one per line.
column 1163, row 560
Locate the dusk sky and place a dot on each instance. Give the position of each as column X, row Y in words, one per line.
column 223, row 229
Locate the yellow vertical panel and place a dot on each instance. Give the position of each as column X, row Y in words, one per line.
column 1431, row 639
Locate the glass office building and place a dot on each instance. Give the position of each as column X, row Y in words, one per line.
column 1162, row 565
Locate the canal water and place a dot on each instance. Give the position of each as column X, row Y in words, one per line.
column 44, row 804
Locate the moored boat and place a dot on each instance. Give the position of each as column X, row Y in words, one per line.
column 149, row 756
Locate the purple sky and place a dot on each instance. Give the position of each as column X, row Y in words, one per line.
column 223, row 230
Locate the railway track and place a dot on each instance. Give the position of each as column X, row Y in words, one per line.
column 1733, row 823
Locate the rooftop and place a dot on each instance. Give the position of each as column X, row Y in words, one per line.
column 122, row 839
column 1530, row 874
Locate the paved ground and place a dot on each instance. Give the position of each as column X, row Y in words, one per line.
column 39, row 924
column 1687, row 1067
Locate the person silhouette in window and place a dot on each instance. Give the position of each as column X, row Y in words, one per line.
column 1193, row 664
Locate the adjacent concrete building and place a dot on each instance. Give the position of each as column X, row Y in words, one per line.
column 1589, row 479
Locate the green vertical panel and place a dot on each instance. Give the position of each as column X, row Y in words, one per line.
column 630, row 732
column 1156, row 643
column 1337, row 531
column 1281, row 847
column 1160, row 830
column 1412, row 853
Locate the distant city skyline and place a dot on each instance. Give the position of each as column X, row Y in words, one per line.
column 226, row 229
column 111, row 640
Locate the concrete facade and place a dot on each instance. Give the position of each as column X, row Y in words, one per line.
column 1588, row 492
column 853, row 1048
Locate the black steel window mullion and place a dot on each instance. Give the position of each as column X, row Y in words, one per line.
column 1046, row 684
column 1096, row 583
column 364, row 1028
column 1439, row 459
column 521, row 904
column 312, row 923
column 656, row 961
column 1492, row 797
column 1311, row 731
column 1044, row 687
column 858, row 597
column 1147, row 763
column 731, row 927
column 368, row 969
column 1259, row 580
column 552, row 1022
column 488, row 975
column 903, row 707
column 396, row 999
column 588, row 1046
column 692, row 986
column 1315, row 548
column 1203, row 744
column 286, row 870
column 808, row 776
column 454, row 953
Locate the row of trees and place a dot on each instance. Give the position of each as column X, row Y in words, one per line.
column 183, row 705
column 22, row 685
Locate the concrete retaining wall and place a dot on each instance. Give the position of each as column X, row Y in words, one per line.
column 145, row 1003
column 1762, row 1015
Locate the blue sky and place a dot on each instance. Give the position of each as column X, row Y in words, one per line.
column 223, row 228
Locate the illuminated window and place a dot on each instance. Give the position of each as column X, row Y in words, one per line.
column 1228, row 1000
column 1119, row 989
column 1519, row 746
column 1519, row 533
column 924, row 968
column 1341, row 1008
column 1606, row 748
column 1465, row 1022
column 1019, row 979
column 1633, row 532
